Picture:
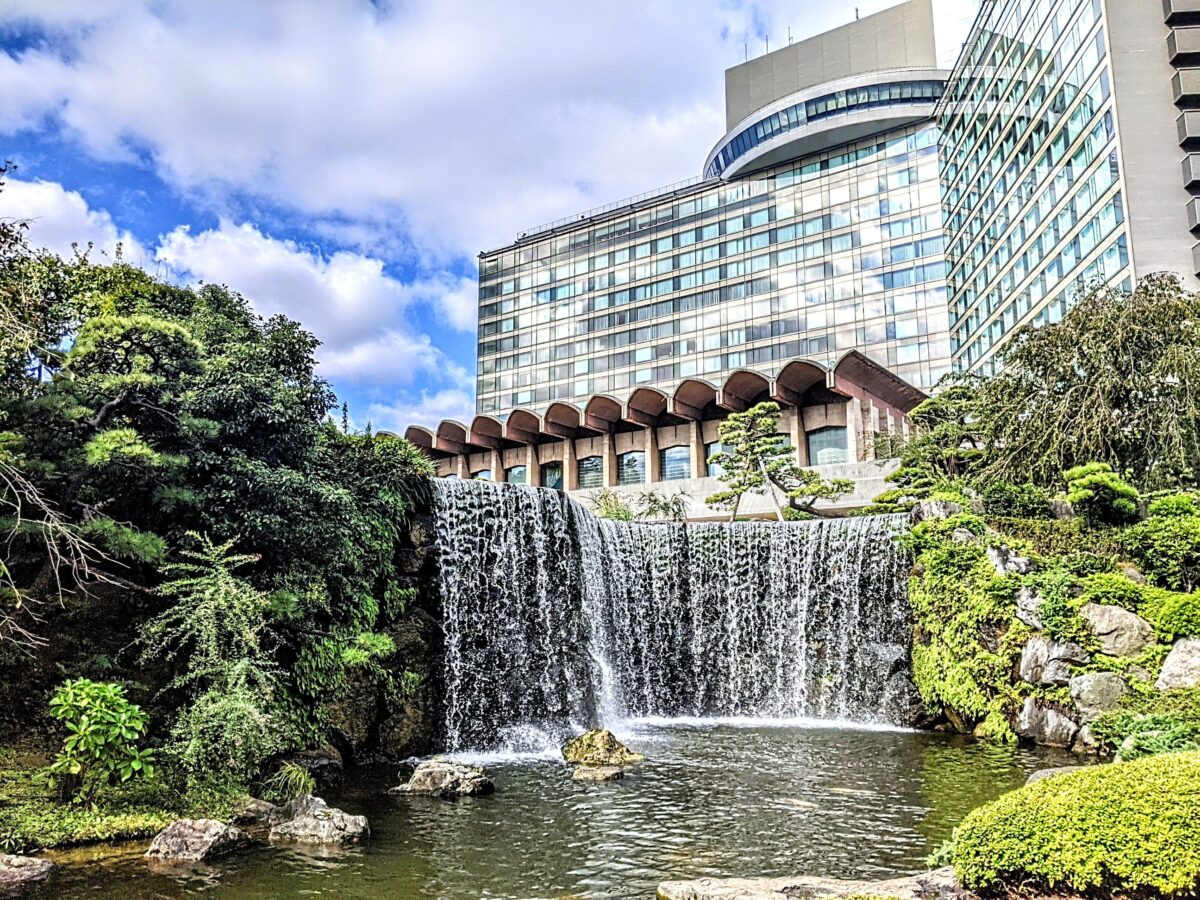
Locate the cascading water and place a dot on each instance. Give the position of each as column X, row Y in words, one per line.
column 555, row 618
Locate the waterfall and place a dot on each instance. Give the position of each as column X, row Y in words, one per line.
column 555, row 619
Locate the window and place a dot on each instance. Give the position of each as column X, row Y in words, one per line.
column 516, row 475
column 676, row 463
column 483, row 475
column 631, row 468
column 715, row 470
column 827, row 446
column 591, row 472
column 552, row 476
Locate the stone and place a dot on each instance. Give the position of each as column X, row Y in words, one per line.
column 194, row 840
column 925, row 510
column 252, row 811
column 1046, row 725
column 599, row 747
column 310, row 821
column 1062, row 509
column 1043, row 774
column 598, row 773
column 1009, row 563
column 1096, row 693
column 1132, row 572
column 939, row 883
column 1121, row 633
column 1182, row 667
column 1029, row 604
column 439, row 778
column 963, row 536
column 1047, row 661
column 19, row 872
column 1086, row 741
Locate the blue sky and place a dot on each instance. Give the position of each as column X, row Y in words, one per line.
column 344, row 161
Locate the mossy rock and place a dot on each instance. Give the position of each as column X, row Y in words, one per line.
column 599, row 747
column 1126, row 828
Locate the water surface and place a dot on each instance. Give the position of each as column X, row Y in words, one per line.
column 715, row 798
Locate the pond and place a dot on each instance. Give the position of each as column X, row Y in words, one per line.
column 715, row 798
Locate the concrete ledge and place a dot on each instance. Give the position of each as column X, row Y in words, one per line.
column 924, row 886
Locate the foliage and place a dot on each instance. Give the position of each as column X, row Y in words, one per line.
column 610, row 504
column 661, row 506
column 1059, row 612
column 289, row 782
column 1100, row 496
column 1025, row 501
column 944, row 448
column 1117, row 381
column 1125, row 828
column 1135, row 735
column 1166, row 545
column 101, row 746
column 755, row 459
column 966, row 638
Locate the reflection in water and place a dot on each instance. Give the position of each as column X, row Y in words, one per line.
column 713, row 800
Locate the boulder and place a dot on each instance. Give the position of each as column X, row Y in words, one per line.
column 598, row 773
column 439, row 778
column 1096, row 693
column 1029, row 604
column 1047, row 661
column 309, row 820
column 1044, row 724
column 19, row 872
column 193, row 840
column 252, row 811
column 1043, row 774
column 925, row 886
column 1062, row 509
column 1120, row 632
column 599, row 747
column 1009, row 563
column 1132, row 572
column 963, row 536
column 1182, row 667
column 1086, row 741
column 925, row 510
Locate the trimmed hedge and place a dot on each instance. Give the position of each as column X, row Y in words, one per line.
column 1126, row 827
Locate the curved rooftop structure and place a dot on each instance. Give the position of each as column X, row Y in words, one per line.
column 827, row 115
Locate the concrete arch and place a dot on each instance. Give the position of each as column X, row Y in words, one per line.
column 602, row 413
column 645, row 406
column 421, row 438
column 855, row 374
column 523, row 427
column 562, row 419
column 741, row 389
column 451, row 437
column 486, row 431
column 795, row 378
column 691, row 397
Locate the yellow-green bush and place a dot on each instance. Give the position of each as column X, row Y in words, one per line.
column 1127, row 827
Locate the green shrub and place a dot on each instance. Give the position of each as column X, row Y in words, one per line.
column 1135, row 735
column 101, row 746
column 1128, row 827
column 1172, row 614
column 1174, row 505
column 1019, row 501
column 1100, row 495
column 1082, row 563
column 289, row 783
column 1167, row 549
column 1112, row 589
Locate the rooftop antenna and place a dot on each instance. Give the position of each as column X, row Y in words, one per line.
column 789, row 35
column 746, row 49
column 856, row 14
column 767, row 41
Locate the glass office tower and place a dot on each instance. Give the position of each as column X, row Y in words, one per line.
column 838, row 251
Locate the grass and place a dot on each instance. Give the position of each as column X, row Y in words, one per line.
column 32, row 818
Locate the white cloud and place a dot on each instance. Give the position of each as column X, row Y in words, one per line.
column 425, row 409
column 348, row 300
column 59, row 218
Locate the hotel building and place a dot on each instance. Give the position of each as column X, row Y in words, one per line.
column 867, row 223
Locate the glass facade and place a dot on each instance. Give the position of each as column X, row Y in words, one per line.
column 1031, row 172
column 676, row 463
column 811, row 259
column 552, row 476
column 828, row 446
column 591, row 472
column 631, row 468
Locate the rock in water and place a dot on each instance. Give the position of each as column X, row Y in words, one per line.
column 1045, row 725
column 439, row 778
column 1182, row 668
column 1043, row 774
column 926, row 886
column 1096, row 693
column 1121, row 632
column 599, row 747
column 925, row 510
column 17, row 872
column 598, row 773
column 193, row 840
column 252, row 811
column 311, row 821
